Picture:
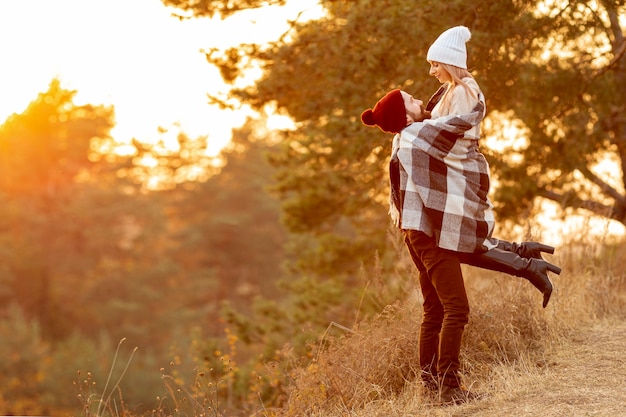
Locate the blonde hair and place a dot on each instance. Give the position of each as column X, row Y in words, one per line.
column 457, row 74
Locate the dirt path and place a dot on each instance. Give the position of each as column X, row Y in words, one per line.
column 584, row 377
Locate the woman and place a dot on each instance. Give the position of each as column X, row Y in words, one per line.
column 441, row 330
column 460, row 94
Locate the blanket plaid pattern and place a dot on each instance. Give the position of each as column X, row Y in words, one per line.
column 440, row 181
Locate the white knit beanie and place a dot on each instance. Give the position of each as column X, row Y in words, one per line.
column 449, row 47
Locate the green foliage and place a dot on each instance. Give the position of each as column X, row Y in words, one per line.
column 23, row 353
column 43, row 149
column 53, row 207
column 227, row 230
column 91, row 253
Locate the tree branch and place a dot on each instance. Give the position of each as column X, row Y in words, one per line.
column 604, row 187
column 614, row 19
column 619, row 52
column 615, row 212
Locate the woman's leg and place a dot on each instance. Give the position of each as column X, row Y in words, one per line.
column 534, row 270
column 524, row 249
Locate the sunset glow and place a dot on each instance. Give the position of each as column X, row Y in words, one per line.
column 132, row 55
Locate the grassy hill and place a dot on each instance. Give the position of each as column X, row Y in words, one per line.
column 564, row 360
column 514, row 352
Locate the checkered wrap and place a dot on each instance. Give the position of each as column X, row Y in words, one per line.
column 441, row 181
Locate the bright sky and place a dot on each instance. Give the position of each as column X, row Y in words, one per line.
column 130, row 54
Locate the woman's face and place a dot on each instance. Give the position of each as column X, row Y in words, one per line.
column 438, row 72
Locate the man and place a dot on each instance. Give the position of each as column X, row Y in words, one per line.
column 439, row 199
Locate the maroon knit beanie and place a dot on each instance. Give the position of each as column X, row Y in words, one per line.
column 389, row 114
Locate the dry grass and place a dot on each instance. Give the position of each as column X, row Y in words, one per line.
column 512, row 351
column 371, row 370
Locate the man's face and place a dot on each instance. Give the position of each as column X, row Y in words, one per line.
column 414, row 108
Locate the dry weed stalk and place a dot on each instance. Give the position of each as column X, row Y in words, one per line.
column 103, row 400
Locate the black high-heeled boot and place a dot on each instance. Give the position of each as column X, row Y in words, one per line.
column 526, row 249
column 534, row 270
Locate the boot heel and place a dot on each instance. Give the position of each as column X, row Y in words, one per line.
column 553, row 268
column 546, row 297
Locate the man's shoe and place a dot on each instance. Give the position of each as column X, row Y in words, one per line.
column 429, row 382
column 430, row 386
column 456, row 395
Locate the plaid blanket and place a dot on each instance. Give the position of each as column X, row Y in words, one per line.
column 440, row 181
